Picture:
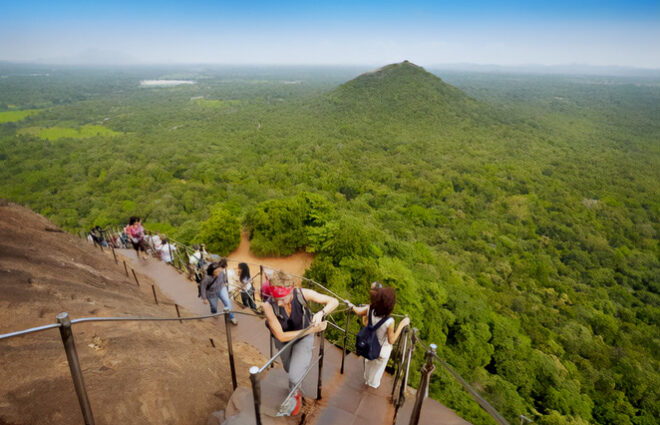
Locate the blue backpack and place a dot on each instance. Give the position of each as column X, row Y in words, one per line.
column 366, row 342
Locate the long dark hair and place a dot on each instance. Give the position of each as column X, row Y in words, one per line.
column 245, row 272
column 383, row 301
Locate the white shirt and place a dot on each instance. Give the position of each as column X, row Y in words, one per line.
column 381, row 333
column 194, row 258
column 165, row 252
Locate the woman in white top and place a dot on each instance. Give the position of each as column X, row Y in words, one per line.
column 382, row 304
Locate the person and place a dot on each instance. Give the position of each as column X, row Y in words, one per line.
column 166, row 250
column 195, row 263
column 214, row 286
column 135, row 233
column 247, row 290
column 98, row 236
column 233, row 282
column 287, row 314
column 264, row 290
column 381, row 305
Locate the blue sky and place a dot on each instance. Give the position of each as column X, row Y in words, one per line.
column 507, row 32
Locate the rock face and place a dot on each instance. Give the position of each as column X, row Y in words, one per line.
column 135, row 372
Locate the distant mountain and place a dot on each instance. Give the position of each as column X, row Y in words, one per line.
column 401, row 90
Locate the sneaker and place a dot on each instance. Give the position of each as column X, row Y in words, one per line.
column 296, row 409
column 233, row 321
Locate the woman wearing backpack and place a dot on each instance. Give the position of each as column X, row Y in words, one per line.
column 381, row 306
column 287, row 313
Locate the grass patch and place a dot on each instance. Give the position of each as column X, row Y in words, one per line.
column 55, row 133
column 14, row 116
column 215, row 103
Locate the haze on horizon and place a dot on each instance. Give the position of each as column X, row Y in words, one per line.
column 504, row 32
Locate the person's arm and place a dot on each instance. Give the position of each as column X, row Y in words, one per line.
column 276, row 328
column 361, row 310
column 329, row 303
column 392, row 336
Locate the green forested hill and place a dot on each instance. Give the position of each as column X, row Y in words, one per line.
column 517, row 216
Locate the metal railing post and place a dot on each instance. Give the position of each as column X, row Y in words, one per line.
column 136, row 279
column 126, row 268
column 321, row 352
column 399, row 358
column 261, row 281
column 343, row 350
column 256, row 393
column 230, row 349
column 423, row 389
column 74, row 365
column 113, row 254
column 178, row 313
column 153, row 289
column 407, row 357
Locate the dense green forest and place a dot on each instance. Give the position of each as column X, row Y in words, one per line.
column 516, row 215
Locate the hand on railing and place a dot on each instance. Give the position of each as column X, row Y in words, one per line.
column 317, row 327
column 318, row 317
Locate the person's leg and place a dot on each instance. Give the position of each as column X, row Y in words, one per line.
column 245, row 299
column 224, row 296
column 373, row 371
column 285, row 357
column 251, row 303
column 301, row 356
column 213, row 302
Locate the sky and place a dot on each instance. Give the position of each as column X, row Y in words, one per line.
column 507, row 32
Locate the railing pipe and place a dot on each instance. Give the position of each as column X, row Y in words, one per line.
column 230, row 350
column 346, row 330
column 423, row 390
column 261, row 281
column 404, row 384
column 29, row 331
column 321, row 355
column 136, row 278
column 271, row 348
column 399, row 358
column 74, row 365
column 480, row 400
column 153, row 289
column 256, row 393
column 279, row 353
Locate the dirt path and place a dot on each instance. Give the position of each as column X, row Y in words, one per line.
column 294, row 264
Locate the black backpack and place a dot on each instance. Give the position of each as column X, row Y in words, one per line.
column 366, row 342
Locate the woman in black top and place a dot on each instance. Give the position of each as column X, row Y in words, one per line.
column 287, row 314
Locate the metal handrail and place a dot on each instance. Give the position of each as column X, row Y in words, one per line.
column 29, row 331
column 302, row 333
column 483, row 403
column 405, row 360
column 65, row 325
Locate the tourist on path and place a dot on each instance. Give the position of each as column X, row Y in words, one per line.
column 247, row 290
column 287, row 314
column 214, row 286
column 135, row 233
column 166, row 250
column 381, row 306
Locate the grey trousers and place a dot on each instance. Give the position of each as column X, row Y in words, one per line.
column 296, row 358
